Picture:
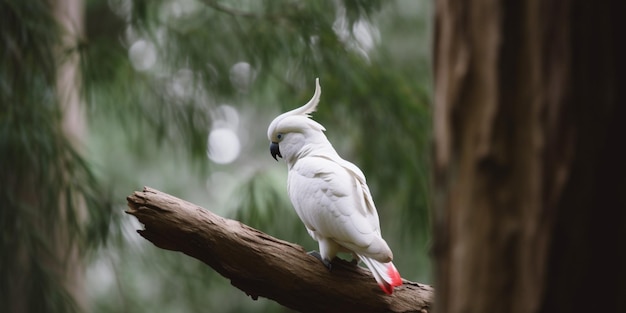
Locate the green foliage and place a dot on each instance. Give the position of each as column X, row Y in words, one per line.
column 44, row 180
column 372, row 58
column 155, row 74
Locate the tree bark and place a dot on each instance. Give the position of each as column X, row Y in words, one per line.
column 529, row 192
column 263, row 266
column 491, row 248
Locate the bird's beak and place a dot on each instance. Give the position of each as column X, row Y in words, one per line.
column 274, row 150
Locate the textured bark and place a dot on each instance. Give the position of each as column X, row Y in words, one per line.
column 490, row 144
column 263, row 266
column 525, row 177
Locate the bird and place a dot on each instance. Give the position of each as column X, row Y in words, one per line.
column 330, row 195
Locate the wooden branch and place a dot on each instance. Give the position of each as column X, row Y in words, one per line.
column 263, row 266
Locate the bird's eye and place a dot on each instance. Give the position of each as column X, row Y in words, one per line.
column 279, row 136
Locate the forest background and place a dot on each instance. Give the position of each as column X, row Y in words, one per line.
column 100, row 98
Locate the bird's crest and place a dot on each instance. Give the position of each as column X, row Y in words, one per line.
column 308, row 108
column 311, row 106
column 304, row 110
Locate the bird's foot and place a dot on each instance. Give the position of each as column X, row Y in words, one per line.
column 355, row 259
column 318, row 256
column 355, row 262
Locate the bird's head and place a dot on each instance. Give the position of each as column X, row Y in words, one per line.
column 292, row 131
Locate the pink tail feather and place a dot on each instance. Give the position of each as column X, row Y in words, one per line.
column 386, row 274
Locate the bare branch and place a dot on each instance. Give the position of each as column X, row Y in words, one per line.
column 264, row 266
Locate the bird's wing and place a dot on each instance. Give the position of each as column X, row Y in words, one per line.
column 356, row 172
column 335, row 203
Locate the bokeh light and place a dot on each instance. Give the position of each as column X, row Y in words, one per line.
column 223, row 146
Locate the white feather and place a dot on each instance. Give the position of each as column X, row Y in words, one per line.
column 304, row 110
column 331, row 203
column 330, row 194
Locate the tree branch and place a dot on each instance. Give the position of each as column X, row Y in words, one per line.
column 261, row 265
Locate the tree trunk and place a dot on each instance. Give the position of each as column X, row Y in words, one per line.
column 70, row 16
column 263, row 266
column 527, row 185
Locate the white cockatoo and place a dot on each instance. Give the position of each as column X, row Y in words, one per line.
column 329, row 194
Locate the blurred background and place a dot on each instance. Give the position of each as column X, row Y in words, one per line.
column 102, row 97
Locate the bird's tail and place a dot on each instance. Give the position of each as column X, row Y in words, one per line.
column 386, row 275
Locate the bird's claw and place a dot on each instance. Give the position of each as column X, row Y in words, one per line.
column 318, row 256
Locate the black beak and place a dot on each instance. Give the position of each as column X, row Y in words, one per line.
column 275, row 151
